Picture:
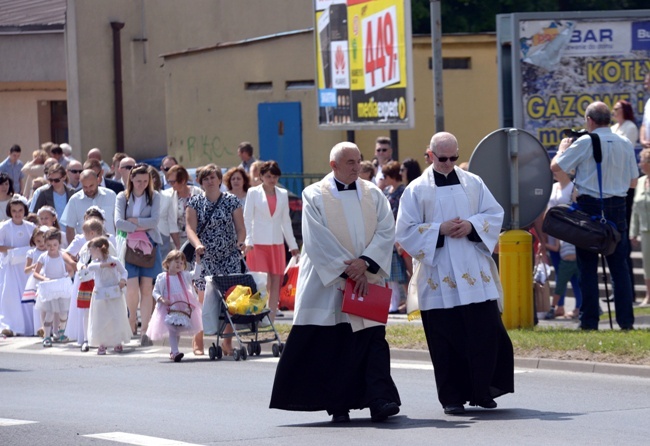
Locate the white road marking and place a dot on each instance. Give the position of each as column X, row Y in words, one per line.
column 140, row 440
column 9, row 422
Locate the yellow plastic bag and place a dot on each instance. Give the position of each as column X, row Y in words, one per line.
column 241, row 301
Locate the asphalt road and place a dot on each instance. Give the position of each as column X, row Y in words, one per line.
column 61, row 396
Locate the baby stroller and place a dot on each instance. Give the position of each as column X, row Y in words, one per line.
column 246, row 328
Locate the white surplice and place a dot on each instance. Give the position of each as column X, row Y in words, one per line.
column 318, row 293
column 462, row 271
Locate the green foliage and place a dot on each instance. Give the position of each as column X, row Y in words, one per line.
column 473, row 16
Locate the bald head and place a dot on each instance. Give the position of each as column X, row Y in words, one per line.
column 443, row 140
column 95, row 154
column 444, row 147
column 597, row 115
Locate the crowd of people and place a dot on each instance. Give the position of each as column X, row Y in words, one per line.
column 91, row 252
column 83, row 254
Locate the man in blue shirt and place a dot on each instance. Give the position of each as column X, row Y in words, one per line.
column 620, row 172
column 12, row 166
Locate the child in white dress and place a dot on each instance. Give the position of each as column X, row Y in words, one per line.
column 109, row 323
column 54, row 288
column 78, row 253
column 37, row 242
column 177, row 308
column 14, row 243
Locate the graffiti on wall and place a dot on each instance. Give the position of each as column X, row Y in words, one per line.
column 204, row 149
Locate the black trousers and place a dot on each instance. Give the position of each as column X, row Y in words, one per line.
column 471, row 352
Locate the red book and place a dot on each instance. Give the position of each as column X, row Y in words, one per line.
column 373, row 306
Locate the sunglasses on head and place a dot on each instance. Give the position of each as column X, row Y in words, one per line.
column 444, row 159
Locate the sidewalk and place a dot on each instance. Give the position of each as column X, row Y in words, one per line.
column 520, row 362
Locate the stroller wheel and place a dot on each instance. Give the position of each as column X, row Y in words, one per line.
column 251, row 348
column 258, row 348
column 235, row 354
column 243, row 354
column 276, row 350
column 212, row 352
column 219, row 352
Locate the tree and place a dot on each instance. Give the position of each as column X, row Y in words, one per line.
column 473, row 16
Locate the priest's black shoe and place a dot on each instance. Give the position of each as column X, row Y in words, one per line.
column 454, row 409
column 382, row 409
column 341, row 417
column 487, row 404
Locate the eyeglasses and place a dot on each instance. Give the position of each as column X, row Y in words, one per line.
column 444, row 159
column 54, row 180
column 381, row 150
column 166, row 169
column 127, row 167
column 171, row 182
column 75, row 171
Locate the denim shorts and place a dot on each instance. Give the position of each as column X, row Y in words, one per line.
column 139, row 271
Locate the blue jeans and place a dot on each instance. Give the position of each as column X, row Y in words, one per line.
column 617, row 263
column 575, row 279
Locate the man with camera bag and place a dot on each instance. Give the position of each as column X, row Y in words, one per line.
column 619, row 172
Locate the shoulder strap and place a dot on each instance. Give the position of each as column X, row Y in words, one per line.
column 598, row 157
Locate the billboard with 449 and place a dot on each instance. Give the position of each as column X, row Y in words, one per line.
column 363, row 50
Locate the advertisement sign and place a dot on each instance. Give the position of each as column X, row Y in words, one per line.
column 364, row 74
column 567, row 64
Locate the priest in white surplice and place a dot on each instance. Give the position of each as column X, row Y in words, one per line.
column 449, row 222
column 333, row 361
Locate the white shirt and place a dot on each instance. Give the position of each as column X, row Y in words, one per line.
column 627, row 129
column 619, row 165
column 646, row 119
column 73, row 215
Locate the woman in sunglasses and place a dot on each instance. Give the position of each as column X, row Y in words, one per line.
column 55, row 194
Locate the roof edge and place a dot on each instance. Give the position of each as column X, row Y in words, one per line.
column 236, row 43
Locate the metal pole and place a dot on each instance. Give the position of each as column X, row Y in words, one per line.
column 513, row 150
column 394, row 142
column 436, row 50
column 117, row 80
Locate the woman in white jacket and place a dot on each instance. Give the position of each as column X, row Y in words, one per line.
column 268, row 225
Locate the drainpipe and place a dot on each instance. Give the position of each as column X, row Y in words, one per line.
column 117, row 88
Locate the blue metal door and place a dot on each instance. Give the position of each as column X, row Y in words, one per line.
column 280, row 134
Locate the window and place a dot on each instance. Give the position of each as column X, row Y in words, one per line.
column 259, row 86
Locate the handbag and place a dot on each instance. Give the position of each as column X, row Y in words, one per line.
column 139, row 258
column 179, row 313
column 288, row 290
column 135, row 256
column 593, row 233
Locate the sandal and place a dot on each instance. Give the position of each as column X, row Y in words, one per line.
column 62, row 338
column 47, row 342
column 118, row 348
column 226, row 351
column 85, row 347
column 101, row 350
